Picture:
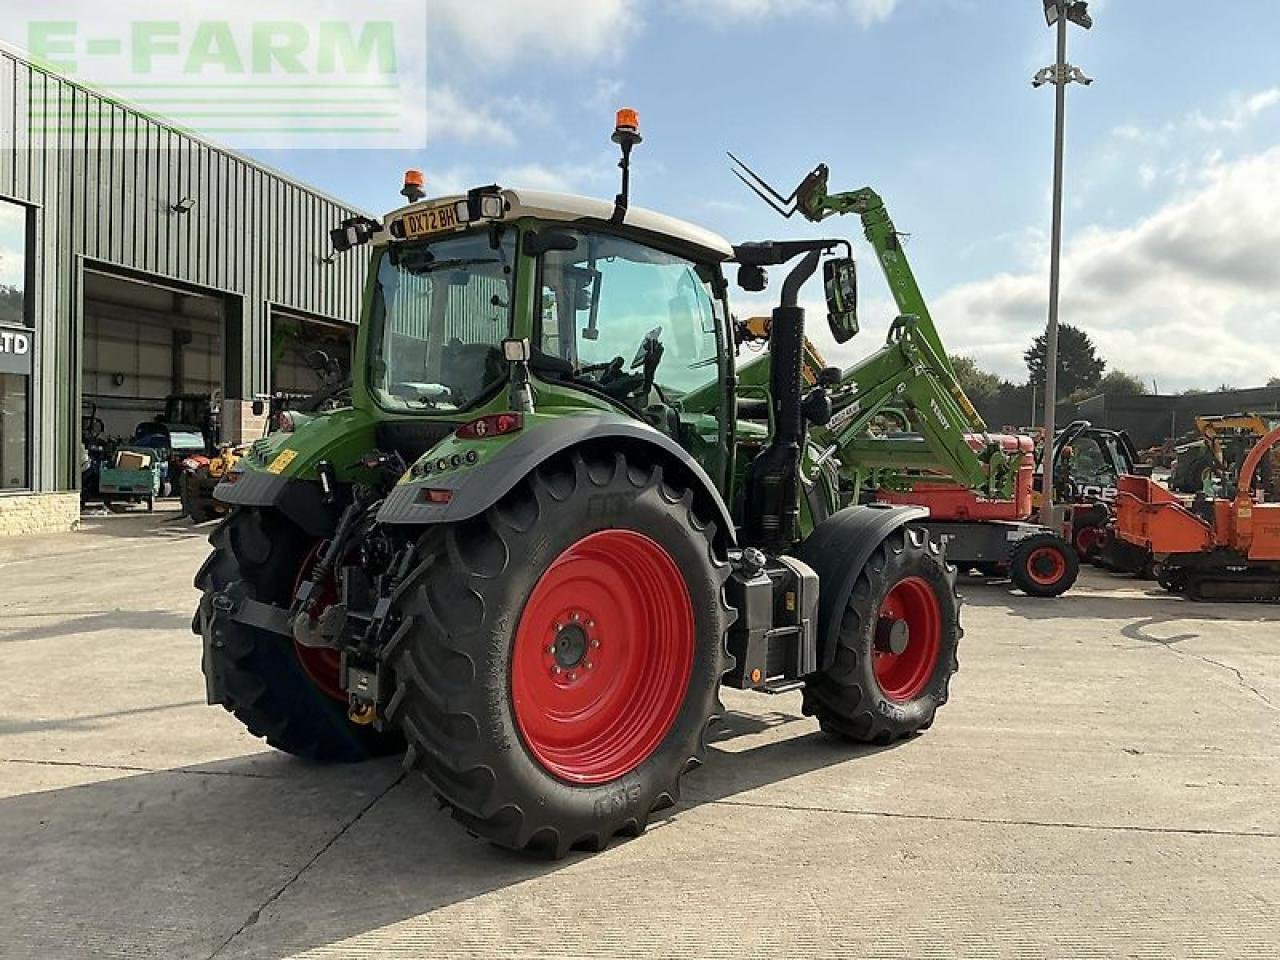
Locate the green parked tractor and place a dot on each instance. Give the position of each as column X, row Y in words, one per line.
column 555, row 519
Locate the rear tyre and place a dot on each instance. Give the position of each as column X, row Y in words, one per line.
column 896, row 650
column 1043, row 565
column 264, row 683
column 559, row 657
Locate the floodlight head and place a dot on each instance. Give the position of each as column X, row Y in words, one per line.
column 1078, row 13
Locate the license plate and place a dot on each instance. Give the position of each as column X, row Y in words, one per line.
column 426, row 223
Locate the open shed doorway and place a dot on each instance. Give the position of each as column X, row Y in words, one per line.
column 152, row 369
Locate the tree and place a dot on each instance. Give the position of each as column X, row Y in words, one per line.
column 1079, row 366
column 1274, row 382
column 1117, row 383
column 980, row 385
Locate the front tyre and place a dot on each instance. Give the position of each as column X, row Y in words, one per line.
column 896, row 647
column 559, row 657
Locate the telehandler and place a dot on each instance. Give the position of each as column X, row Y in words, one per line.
column 557, row 516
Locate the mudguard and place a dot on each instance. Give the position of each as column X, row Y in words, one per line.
column 471, row 492
column 302, row 501
column 837, row 550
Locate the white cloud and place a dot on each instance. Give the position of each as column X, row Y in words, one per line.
column 450, row 118
column 606, row 95
column 502, row 31
column 1189, row 295
column 1234, row 116
column 12, row 267
column 865, row 12
column 563, row 178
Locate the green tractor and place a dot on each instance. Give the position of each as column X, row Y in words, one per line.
column 554, row 521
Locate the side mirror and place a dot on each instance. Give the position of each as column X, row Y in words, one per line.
column 258, row 408
column 752, row 279
column 840, row 277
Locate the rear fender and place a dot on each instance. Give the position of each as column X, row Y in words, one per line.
column 837, row 550
column 471, row 490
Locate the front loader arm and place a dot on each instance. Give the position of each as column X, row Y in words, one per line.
column 813, row 201
column 908, row 375
column 911, row 373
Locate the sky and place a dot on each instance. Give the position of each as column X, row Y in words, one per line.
column 1172, row 253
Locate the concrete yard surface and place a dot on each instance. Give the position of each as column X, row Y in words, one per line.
column 1105, row 782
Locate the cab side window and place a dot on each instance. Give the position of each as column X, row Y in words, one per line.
column 608, row 302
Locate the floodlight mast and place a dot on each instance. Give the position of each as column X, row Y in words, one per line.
column 1057, row 13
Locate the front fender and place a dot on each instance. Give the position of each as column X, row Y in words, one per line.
column 473, row 490
column 837, row 550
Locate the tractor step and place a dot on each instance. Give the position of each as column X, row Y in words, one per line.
column 782, row 686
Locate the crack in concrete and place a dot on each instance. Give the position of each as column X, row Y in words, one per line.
column 1239, row 677
column 998, row 822
column 1134, row 632
column 256, row 914
column 127, row 768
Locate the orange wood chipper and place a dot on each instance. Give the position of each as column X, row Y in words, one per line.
column 1214, row 548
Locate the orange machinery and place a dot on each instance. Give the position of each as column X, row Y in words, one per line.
column 997, row 537
column 951, row 501
column 1213, row 549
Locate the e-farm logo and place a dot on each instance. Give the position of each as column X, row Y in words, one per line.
column 279, row 75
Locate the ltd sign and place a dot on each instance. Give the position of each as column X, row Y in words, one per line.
column 16, row 348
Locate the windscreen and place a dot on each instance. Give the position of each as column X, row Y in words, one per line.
column 440, row 313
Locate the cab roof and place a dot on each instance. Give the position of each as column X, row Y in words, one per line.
column 568, row 208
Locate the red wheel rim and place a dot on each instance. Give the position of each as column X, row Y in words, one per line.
column 602, row 657
column 322, row 664
column 1046, row 565
column 904, row 675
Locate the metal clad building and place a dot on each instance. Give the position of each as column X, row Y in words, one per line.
column 98, row 195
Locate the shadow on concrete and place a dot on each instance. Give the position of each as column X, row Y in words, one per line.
column 1131, row 605
column 88, row 722
column 220, row 860
column 164, row 524
column 78, row 626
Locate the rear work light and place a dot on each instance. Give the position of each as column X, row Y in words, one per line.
column 494, row 425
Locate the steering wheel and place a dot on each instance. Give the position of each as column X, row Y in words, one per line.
column 608, row 371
